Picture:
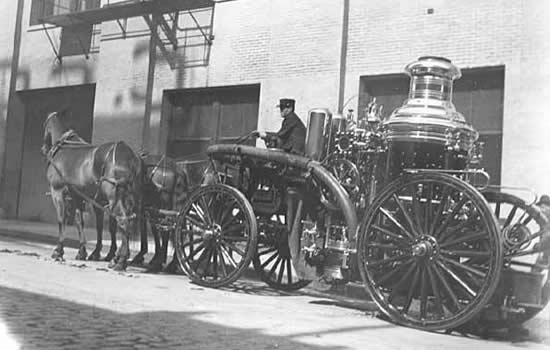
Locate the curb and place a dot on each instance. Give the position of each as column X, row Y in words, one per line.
column 39, row 238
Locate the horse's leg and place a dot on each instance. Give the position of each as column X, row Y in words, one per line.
column 112, row 231
column 155, row 264
column 59, row 204
column 173, row 266
column 96, row 254
column 79, row 221
column 139, row 259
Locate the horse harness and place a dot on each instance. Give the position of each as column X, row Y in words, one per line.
column 65, row 140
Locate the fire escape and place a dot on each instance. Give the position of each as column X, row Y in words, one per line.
column 175, row 25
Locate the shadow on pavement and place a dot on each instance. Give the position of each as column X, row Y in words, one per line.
column 38, row 321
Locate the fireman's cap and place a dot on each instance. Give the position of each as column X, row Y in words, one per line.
column 286, row 102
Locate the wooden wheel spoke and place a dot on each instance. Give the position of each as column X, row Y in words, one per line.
column 457, row 279
column 447, row 288
column 416, row 206
column 191, row 243
column 270, row 259
column 200, row 213
column 386, row 261
column 192, row 254
column 435, row 290
column 197, row 222
column 214, row 255
column 441, row 206
column 476, row 236
column 274, row 267
column 222, row 262
column 428, row 208
column 206, row 210
column 444, row 235
column 234, row 228
column 464, row 267
column 412, row 289
column 229, row 257
column 384, row 246
column 205, row 256
column 527, row 220
column 234, row 247
column 267, row 251
column 399, row 283
column 451, row 216
column 524, row 252
column 497, row 209
column 235, row 238
column 467, row 253
column 423, row 294
column 392, row 272
column 510, row 216
column 281, row 272
column 396, row 223
column 412, row 226
column 227, row 209
column 390, row 234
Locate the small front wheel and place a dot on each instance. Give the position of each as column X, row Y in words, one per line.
column 216, row 235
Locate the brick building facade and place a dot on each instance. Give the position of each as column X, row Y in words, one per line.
column 322, row 53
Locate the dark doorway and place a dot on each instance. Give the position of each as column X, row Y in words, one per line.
column 478, row 95
column 78, row 104
column 201, row 117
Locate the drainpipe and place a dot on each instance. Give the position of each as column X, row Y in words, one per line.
column 14, row 68
column 343, row 56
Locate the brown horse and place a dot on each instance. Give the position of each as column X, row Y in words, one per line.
column 164, row 187
column 109, row 175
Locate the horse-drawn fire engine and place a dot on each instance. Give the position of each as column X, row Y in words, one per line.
column 395, row 202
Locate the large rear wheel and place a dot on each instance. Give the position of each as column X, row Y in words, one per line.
column 525, row 286
column 429, row 251
column 216, row 235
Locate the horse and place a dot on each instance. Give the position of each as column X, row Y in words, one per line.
column 165, row 186
column 107, row 175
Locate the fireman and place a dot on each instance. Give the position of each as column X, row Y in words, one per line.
column 292, row 135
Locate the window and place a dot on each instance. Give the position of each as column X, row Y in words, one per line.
column 45, row 8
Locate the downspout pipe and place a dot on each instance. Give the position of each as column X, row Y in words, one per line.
column 303, row 163
column 343, row 56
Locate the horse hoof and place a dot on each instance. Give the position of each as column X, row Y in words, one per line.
column 109, row 256
column 81, row 255
column 57, row 254
column 137, row 261
column 172, row 267
column 95, row 256
column 155, row 265
column 119, row 266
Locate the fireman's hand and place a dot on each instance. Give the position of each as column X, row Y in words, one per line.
column 260, row 134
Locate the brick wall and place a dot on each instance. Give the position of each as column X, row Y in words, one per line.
column 292, row 49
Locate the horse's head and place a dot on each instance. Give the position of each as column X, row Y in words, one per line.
column 53, row 129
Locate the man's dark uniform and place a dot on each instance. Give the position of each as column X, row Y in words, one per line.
column 292, row 135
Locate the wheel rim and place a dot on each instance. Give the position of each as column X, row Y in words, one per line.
column 273, row 262
column 216, row 235
column 521, row 227
column 430, row 251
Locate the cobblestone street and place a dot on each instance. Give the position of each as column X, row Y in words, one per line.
column 50, row 305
